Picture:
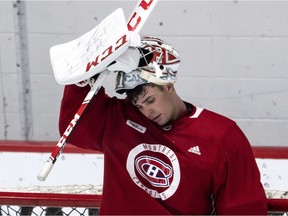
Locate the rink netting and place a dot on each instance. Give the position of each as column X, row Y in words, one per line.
column 97, row 189
column 62, row 189
column 80, row 209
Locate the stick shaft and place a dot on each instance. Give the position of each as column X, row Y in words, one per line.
column 47, row 167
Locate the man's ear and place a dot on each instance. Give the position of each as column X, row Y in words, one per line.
column 170, row 87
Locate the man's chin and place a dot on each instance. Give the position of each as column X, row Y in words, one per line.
column 162, row 123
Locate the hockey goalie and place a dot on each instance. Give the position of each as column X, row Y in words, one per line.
column 163, row 155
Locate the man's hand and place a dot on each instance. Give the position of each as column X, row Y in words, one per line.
column 126, row 62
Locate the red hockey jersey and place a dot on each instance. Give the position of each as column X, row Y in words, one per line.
column 202, row 164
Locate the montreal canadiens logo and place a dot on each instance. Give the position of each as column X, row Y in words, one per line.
column 155, row 169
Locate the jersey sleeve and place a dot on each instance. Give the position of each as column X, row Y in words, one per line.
column 239, row 189
column 90, row 126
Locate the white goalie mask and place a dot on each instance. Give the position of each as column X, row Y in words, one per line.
column 158, row 64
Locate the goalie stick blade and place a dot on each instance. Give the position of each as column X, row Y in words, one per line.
column 91, row 53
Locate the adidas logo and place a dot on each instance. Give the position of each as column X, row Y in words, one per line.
column 195, row 150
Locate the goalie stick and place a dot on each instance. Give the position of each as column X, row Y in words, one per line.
column 137, row 19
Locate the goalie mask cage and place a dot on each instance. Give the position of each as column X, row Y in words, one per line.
column 66, row 203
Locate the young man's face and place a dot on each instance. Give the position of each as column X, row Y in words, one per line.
column 156, row 104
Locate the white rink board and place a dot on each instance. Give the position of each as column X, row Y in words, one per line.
column 21, row 169
column 274, row 175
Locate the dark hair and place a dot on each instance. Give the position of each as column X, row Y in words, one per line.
column 133, row 94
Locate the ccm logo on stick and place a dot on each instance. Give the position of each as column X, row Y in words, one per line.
column 120, row 42
column 136, row 18
column 68, row 130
